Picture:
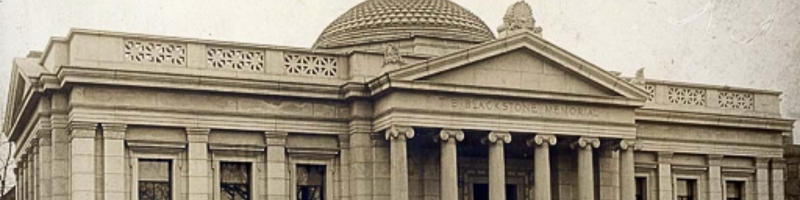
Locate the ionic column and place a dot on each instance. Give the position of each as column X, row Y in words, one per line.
column 198, row 164
column 762, row 178
column 584, row 145
column 448, row 169
column 497, row 163
column 714, row 177
column 777, row 165
column 627, row 177
column 398, row 135
column 541, row 165
column 114, row 161
column 665, row 175
column 277, row 177
column 82, row 160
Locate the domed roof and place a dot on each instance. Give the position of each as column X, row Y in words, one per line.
column 383, row 20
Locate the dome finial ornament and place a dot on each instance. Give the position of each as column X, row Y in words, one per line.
column 519, row 18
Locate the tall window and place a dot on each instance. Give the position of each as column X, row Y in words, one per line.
column 155, row 180
column 310, row 182
column 234, row 181
column 641, row 189
column 733, row 190
column 686, row 189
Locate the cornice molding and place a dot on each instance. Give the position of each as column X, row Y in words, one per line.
column 776, row 124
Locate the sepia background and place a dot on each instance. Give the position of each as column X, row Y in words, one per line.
column 739, row 43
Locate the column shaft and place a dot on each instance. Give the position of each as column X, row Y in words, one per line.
column 585, row 175
column 541, row 165
column 627, row 188
column 399, row 169
column 448, row 166
column 585, row 145
column 82, row 167
column 497, row 164
column 497, row 171
column 399, row 161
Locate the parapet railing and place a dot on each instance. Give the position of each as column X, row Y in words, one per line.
column 698, row 97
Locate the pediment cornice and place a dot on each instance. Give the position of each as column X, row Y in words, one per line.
column 502, row 46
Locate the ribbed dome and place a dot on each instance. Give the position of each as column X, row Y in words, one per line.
column 382, row 20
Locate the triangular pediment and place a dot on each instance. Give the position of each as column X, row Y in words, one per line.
column 521, row 69
column 521, row 62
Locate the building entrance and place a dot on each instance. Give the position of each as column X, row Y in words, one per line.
column 480, row 191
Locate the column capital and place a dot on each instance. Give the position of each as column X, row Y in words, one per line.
column 629, row 144
column 114, row 130
column 762, row 162
column 197, row 134
column 197, row 131
column 456, row 134
column 584, row 142
column 665, row 157
column 540, row 139
column 82, row 129
column 396, row 132
column 778, row 163
column 275, row 138
column 714, row 159
column 498, row 136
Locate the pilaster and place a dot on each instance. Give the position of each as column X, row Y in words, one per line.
column 45, row 161
column 114, row 161
column 199, row 182
column 714, row 177
column 82, row 159
column 665, row 175
column 277, row 170
column 60, row 157
column 777, row 166
column 762, row 178
column 609, row 172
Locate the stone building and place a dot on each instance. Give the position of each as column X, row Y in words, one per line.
column 398, row 99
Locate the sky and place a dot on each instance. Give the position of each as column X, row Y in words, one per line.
column 741, row 43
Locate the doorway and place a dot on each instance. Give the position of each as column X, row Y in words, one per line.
column 480, row 191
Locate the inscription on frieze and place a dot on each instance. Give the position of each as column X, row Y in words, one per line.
column 518, row 107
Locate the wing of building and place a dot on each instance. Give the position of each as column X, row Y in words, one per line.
column 398, row 99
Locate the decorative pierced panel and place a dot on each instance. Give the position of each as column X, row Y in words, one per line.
column 311, row 65
column 736, row 100
column 236, row 59
column 651, row 92
column 687, row 96
column 138, row 51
